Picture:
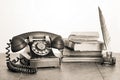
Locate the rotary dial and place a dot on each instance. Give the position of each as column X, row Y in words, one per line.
column 40, row 48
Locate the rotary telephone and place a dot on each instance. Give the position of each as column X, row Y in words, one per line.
column 39, row 45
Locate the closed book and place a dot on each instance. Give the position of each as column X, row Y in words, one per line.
column 83, row 36
column 82, row 59
column 91, row 34
column 85, row 45
column 77, row 38
column 72, row 53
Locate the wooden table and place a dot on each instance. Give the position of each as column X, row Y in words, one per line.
column 68, row 71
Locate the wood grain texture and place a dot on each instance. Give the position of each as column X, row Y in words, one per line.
column 68, row 71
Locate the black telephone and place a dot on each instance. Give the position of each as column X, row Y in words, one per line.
column 40, row 44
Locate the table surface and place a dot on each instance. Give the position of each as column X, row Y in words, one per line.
column 68, row 71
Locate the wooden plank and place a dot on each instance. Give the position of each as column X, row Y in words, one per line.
column 68, row 71
column 110, row 72
column 5, row 74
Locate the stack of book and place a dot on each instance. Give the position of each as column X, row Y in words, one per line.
column 83, row 46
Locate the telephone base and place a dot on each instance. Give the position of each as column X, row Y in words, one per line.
column 41, row 62
column 45, row 62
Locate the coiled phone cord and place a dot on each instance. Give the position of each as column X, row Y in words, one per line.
column 12, row 66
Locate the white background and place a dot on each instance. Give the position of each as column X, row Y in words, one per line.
column 58, row 16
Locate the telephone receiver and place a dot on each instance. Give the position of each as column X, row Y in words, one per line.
column 40, row 43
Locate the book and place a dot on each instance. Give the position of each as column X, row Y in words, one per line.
column 83, row 36
column 85, row 45
column 72, row 53
column 82, row 59
column 92, row 34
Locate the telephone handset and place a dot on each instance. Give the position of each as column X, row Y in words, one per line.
column 40, row 44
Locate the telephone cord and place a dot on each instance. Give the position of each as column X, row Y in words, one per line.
column 12, row 66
